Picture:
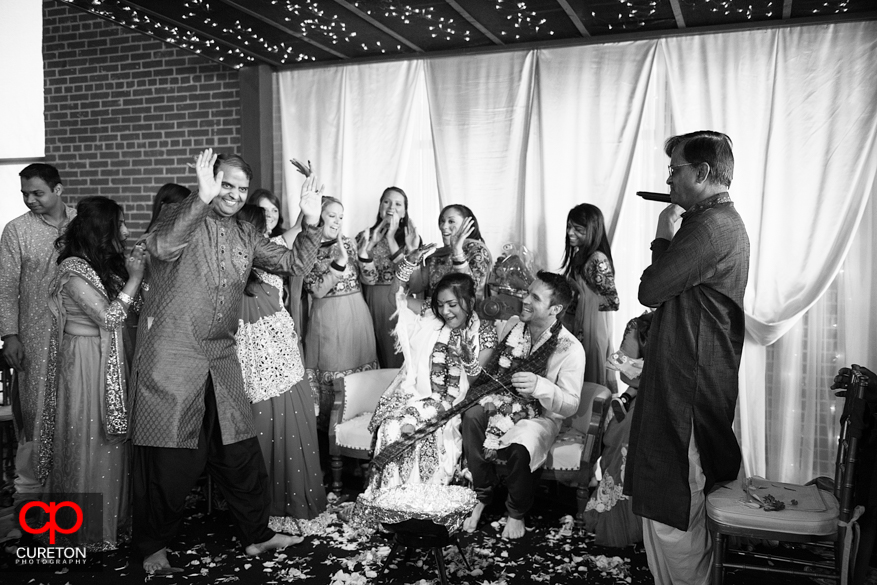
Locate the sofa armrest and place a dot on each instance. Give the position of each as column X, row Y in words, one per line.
column 360, row 392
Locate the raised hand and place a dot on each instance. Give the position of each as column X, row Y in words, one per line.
column 307, row 171
column 412, row 238
column 209, row 185
column 459, row 237
column 311, row 203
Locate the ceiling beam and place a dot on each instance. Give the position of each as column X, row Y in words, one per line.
column 677, row 13
column 186, row 26
column 787, row 9
column 280, row 27
column 471, row 20
column 378, row 25
column 577, row 22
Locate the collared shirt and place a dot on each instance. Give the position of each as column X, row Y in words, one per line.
column 200, row 262
column 28, row 263
column 697, row 283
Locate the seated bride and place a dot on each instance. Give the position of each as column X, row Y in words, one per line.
column 444, row 345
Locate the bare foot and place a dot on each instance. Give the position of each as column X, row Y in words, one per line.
column 514, row 528
column 471, row 523
column 277, row 542
column 157, row 564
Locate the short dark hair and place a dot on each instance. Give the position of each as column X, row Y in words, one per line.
column 46, row 172
column 561, row 291
column 463, row 287
column 233, row 160
column 706, row 146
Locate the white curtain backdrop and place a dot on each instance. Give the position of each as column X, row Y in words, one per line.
column 523, row 136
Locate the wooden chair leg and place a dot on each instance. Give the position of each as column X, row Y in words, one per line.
column 718, row 558
column 582, row 493
column 337, row 466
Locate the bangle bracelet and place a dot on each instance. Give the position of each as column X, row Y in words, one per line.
column 405, row 269
column 365, row 259
column 125, row 298
column 395, row 254
column 456, row 262
column 337, row 266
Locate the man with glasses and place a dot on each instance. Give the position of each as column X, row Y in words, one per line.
column 681, row 438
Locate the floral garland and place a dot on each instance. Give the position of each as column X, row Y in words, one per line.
column 507, row 408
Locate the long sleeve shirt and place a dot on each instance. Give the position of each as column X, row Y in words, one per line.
column 28, row 264
column 199, row 268
column 689, row 379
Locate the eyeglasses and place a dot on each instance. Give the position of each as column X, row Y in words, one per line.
column 672, row 168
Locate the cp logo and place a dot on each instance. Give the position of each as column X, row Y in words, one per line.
column 52, row 526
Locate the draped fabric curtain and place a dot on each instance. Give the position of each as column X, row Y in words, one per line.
column 523, row 136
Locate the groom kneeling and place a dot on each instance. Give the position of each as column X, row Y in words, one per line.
column 545, row 365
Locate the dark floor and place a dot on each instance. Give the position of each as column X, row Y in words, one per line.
column 334, row 554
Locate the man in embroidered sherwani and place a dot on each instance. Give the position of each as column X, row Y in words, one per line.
column 525, row 446
column 28, row 263
column 189, row 411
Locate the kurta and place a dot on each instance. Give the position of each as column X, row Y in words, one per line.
column 693, row 355
column 28, row 263
column 558, row 391
column 200, row 263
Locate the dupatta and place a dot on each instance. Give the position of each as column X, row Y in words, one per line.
column 113, row 364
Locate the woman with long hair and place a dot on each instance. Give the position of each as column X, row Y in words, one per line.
column 609, row 514
column 85, row 419
column 587, row 263
column 168, row 194
column 463, row 251
column 340, row 336
column 387, row 241
column 444, row 345
column 270, row 202
column 270, row 354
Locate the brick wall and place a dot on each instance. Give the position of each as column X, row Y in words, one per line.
column 125, row 112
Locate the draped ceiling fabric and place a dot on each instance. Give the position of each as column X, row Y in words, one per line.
column 523, row 136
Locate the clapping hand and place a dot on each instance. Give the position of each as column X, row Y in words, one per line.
column 209, row 185
column 311, row 200
column 459, row 237
column 339, row 251
column 412, row 238
column 419, row 254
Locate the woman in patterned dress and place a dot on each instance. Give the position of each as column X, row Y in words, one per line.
column 340, row 335
column 85, row 420
column 463, row 251
column 269, row 351
column 587, row 262
column 609, row 514
column 388, row 240
column 436, row 337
